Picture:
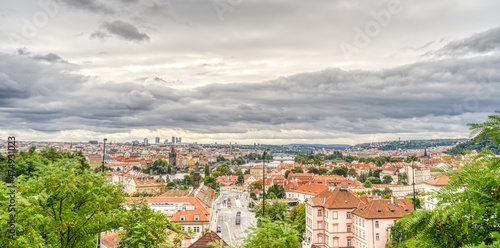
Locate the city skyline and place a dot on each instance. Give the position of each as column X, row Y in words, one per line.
column 268, row 72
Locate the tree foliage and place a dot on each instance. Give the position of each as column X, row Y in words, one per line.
column 465, row 215
column 144, row 227
column 297, row 170
column 278, row 191
column 270, row 234
column 60, row 205
column 309, row 159
column 298, row 217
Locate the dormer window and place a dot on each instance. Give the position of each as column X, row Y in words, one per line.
column 182, row 218
column 196, row 217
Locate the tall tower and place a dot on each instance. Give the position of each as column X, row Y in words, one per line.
column 196, row 177
column 157, row 140
column 173, row 139
column 172, row 160
column 146, row 141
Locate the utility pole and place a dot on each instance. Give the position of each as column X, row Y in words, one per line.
column 102, row 170
column 264, row 182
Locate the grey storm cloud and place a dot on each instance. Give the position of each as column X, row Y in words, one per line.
column 122, row 30
column 90, row 5
column 479, row 43
column 417, row 97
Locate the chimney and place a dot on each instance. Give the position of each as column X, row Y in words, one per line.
column 392, row 200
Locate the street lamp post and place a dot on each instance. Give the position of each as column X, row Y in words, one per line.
column 102, row 170
column 413, row 169
column 264, row 182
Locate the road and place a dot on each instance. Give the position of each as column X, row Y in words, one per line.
column 226, row 217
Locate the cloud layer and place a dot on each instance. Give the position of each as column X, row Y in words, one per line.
column 130, row 69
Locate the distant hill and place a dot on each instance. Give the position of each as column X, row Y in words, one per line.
column 321, row 146
column 471, row 145
column 408, row 144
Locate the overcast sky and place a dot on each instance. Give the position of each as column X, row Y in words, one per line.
column 265, row 71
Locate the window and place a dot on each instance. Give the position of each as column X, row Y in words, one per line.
column 189, row 228
column 196, row 217
column 348, row 215
column 183, row 229
column 326, row 213
column 335, row 215
column 349, row 242
column 376, row 224
column 348, row 228
column 377, row 237
column 319, row 212
column 182, row 218
column 363, row 223
column 197, row 229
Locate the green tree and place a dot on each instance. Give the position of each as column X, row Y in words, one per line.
column 298, row 217
column 270, row 234
column 207, row 170
column 277, row 211
column 490, row 128
column 352, row 172
column 411, row 158
column 350, row 158
column 367, row 184
column 210, row 181
column 313, row 170
column 402, row 178
column 387, row 179
column 188, row 180
column 144, row 227
column 362, row 177
column 241, row 180
column 286, row 173
column 159, row 166
column 297, row 170
column 375, row 180
column 278, row 191
column 255, row 185
column 322, row 171
column 464, row 215
column 224, row 170
column 61, row 205
column 340, row 171
column 253, row 195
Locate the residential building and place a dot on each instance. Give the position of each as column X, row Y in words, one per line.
column 372, row 221
column 191, row 218
column 434, row 184
column 305, row 191
column 329, row 218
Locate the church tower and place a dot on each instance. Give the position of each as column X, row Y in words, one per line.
column 172, row 160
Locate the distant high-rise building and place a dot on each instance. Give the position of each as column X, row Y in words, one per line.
column 177, row 140
column 146, row 141
column 173, row 139
column 180, row 140
column 157, row 140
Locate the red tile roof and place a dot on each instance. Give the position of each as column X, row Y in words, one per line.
column 189, row 216
column 207, row 238
column 440, row 180
column 310, row 189
column 384, row 209
column 338, row 198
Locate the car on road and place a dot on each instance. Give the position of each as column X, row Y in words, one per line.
column 238, row 218
column 219, row 229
